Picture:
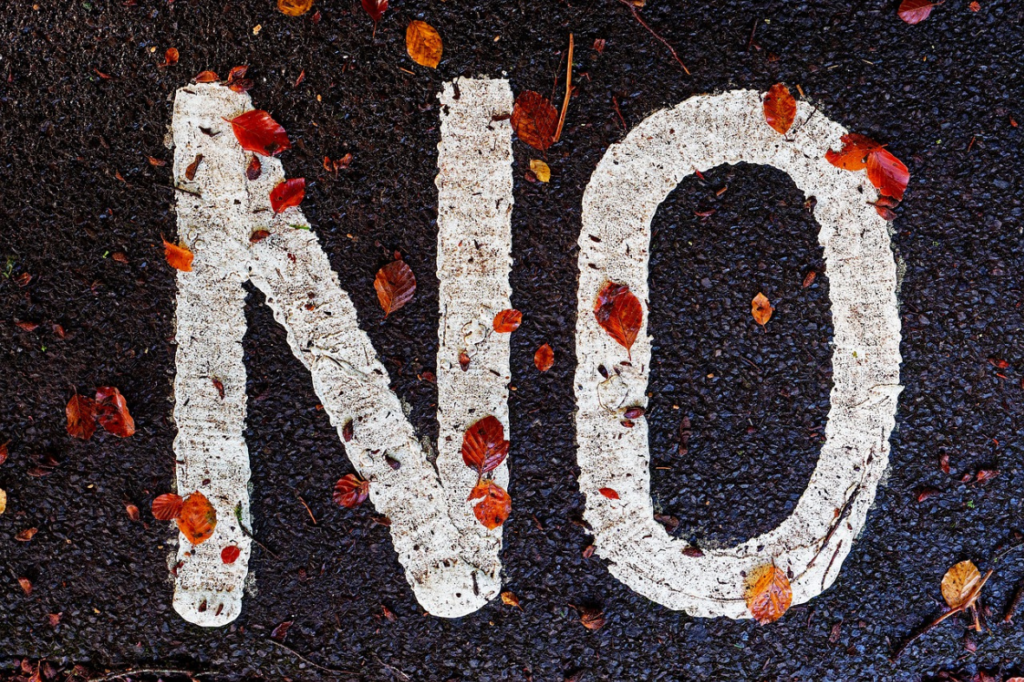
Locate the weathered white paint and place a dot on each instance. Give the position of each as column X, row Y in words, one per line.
column 450, row 561
column 632, row 179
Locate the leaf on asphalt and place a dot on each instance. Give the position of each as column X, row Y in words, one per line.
column 484, row 447
column 888, row 174
column 424, row 44
column 3, row 452
column 81, row 413
column 541, row 171
column 610, row 493
column 170, row 57
column 153, row 161
column 507, row 321
column 535, row 120
column 294, row 8
column 395, row 285
column 26, row 585
column 986, row 475
column 779, row 108
column 375, row 8
column 769, row 594
column 961, row 584
column 257, row 132
column 915, row 11
column 132, row 510
column 619, row 313
column 3, row 500
column 197, row 519
column 206, row 77
column 854, row 154
column 237, row 80
column 167, row 507
column 230, row 554
column 112, row 412
column 544, row 358
column 495, row 506
column 761, row 309
column 281, row 631
column 592, row 619
column 351, row 491
column 178, row 257
column 287, row 194
column 510, row 599
column 26, row 535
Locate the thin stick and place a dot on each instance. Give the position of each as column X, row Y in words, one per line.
column 248, row 533
column 636, row 15
column 302, row 658
column 927, row 628
column 392, row 668
column 1014, row 603
column 307, row 507
column 568, row 92
column 147, row 671
column 615, row 103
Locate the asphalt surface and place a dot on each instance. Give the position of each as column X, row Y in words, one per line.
column 77, row 188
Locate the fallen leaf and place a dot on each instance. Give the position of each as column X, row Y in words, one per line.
column 510, row 599
column 338, row 164
column 960, row 585
column 395, row 285
column 3, row 500
column 190, row 171
column 986, row 475
column 496, row 504
column 153, row 161
column 619, row 313
column 237, row 80
column 26, row 585
column 132, row 510
column 287, row 194
column 257, row 132
column 112, row 412
column 167, row 507
column 294, row 8
column 507, row 321
column 809, row 279
column 535, row 120
column 206, row 77
column 178, row 257
column 81, row 414
column 54, row 619
column 197, row 519
column 26, row 535
column 27, row 326
column 854, row 154
column 610, row 493
column 888, row 174
column 592, row 619
column 230, row 554
column 464, row 360
column 484, row 447
column 974, row 7
column 915, row 11
column 423, row 43
column 544, row 358
column 769, row 595
column 779, row 108
column 254, row 169
column 170, row 56
column 3, row 452
column 926, row 493
column 540, row 170
column 375, row 8
column 351, row 491
column 281, row 631
column 761, row 309
column 599, row 44
column 347, row 431
column 120, row 257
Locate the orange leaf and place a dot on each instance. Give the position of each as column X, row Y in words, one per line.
column 132, row 510
column 888, row 174
column 610, row 493
column 230, row 554
column 167, row 507
column 293, row 8
column 592, row 619
column 26, row 535
column 619, row 313
column 507, row 321
column 496, row 504
column 769, row 595
column 544, row 358
column 535, row 120
column 198, row 518
column 171, row 56
column 287, row 194
column 179, row 257
column 351, row 491
column 510, row 599
column 26, row 585
column 761, row 309
column 112, row 412
column 81, row 413
column 206, row 77
column 779, row 108
column 484, row 447
column 395, row 285
column 854, row 154
column 257, row 132
column 961, row 584
column 424, row 44
column 915, row 11
column 375, row 8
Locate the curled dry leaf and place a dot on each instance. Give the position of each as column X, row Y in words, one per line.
column 197, row 519
column 915, row 11
column 351, row 491
column 507, row 321
column 26, row 535
column 26, row 585
column 206, row 77
column 424, row 44
column 779, row 108
column 230, row 554
column 81, row 413
column 257, row 132
column 535, row 120
column 484, row 447
column 287, row 194
column 610, row 493
column 510, row 599
column 769, row 594
column 132, row 510
column 190, row 171
column 167, row 507
column 375, row 8
column 281, row 631
column 294, row 8
column 619, row 313
column 761, row 309
column 961, row 584
column 178, row 257
column 540, row 170
column 170, row 56
column 544, row 358
column 112, row 412
column 495, row 506
column 395, row 285
column 237, row 80
column 592, row 619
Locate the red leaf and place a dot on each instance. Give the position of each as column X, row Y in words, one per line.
column 170, row 56
column 257, row 132
column 81, row 413
column 375, row 8
column 281, row 631
column 779, row 108
column 395, row 285
column 167, row 507
column 112, row 412
column 888, row 174
column 287, row 194
column 544, row 358
column 351, row 491
column 496, row 504
column 987, row 475
column 230, row 554
column 206, row 77
column 507, row 321
column 178, row 257
column 3, row 452
column 854, row 154
column 484, row 447
column 619, row 313
column 254, row 169
column 132, row 510
column 198, row 518
column 915, row 11
column 535, row 120
column 610, row 493
column 237, row 80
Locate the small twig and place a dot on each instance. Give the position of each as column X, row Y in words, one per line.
column 636, row 15
column 927, row 628
column 293, row 652
column 615, row 103
column 248, row 533
column 148, row 671
column 188, row 191
column 1014, row 603
column 568, row 92
column 392, row 668
column 307, row 507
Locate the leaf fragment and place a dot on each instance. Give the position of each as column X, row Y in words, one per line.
column 507, row 321
column 779, row 108
column 395, row 285
column 197, row 519
column 619, row 313
column 534, row 119
column 769, row 594
column 230, row 554
column 81, row 414
column 26, row 585
column 281, row 631
column 178, row 257
column 26, row 535
column 610, row 493
column 3, row 500
column 544, row 358
column 915, row 11
column 167, row 507
column 423, row 43
column 484, row 447
column 206, row 77
column 351, row 491
column 112, row 412
column 170, row 57
column 294, row 8
column 287, row 194
column 592, row 619
column 254, row 169
column 761, row 309
column 257, row 132
column 132, row 511
column 540, row 170
column 190, row 171
column 888, row 173
column 495, row 506
column 375, row 8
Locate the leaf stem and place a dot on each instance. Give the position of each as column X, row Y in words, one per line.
column 568, row 92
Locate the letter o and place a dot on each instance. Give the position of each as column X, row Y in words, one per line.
column 629, row 184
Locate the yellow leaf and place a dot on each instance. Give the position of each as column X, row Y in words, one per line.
column 769, row 595
column 960, row 584
column 294, row 8
column 761, row 309
column 540, row 169
column 424, row 44
column 510, row 599
column 3, row 501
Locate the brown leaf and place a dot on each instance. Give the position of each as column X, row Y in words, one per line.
column 986, row 475
column 179, row 257
column 351, row 491
column 206, row 77
column 198, row 518
column 294, row 8
column 281, row 631
column 464, row 360
column 254, row 169
column 915, row 11
column 395, row 285
column 809, row 279
column 120, row 257
column 347, row 431
column 26, row 535
column 496, row 504
column 888, row 174
column 237, row 80
column 257, row 132
column 961, row 584
column 375, row 8
column 81, row 414
column 3, row 452
column 26, row 585
column 423, row 43
column 230, row 554
column 769, row 595
column 153, row 161
column 592, row 619
column 761, row 309
column 610, row 493
column 167, row 507
column 544, row 358
column 287, row 194
column 190, row 171
column 510, row 599
column 112, row 412
column 484, row 447
column 779, row 108
column 507, row 321
column 170, row 56
column 619, row 313
column 535, row 120
column 54, row 619
column 132, row 510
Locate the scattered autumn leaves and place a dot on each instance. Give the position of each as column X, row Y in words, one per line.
column 108, row 409
column 484, row 448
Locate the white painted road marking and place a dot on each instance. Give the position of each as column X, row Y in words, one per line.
column 632, row 179
column 450, row 561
